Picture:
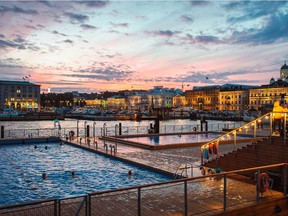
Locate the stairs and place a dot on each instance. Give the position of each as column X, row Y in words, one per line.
column 258, row 154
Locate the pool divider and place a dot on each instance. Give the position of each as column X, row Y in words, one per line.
column 29, row 140
column 89, row 148
column 117, row 139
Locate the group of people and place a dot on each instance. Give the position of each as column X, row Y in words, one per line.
column 279, row 108
column 45, row 176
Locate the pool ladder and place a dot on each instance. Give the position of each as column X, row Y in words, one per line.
column 181, row 169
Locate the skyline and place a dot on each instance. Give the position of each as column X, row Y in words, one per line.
column 123, row 45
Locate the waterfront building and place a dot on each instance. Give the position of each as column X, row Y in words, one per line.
column 226, row 97
column 265, row 96
column 179, row 101
column 116, row 102
column 19, row 95
column 96, row 103
column 156, row 98
column 234, row 97
column 203, row 98
column 138, row 101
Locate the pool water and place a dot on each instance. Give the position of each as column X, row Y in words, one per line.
column 177, row 139
column 22, row 166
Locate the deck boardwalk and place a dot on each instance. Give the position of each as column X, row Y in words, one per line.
column 204, row 197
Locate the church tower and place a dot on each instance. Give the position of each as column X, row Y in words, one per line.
column 284, row 72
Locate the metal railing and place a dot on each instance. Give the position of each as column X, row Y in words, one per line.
column 81, row 130
column 263, row 126
column 191, row 196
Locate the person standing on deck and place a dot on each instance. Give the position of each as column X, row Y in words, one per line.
column 278, row 118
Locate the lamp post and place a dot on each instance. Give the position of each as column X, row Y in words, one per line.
column 94, row 128
column 104, row 129
column 77, row 132
column 85, row 131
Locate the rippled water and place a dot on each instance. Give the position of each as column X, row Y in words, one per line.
column 22, row 166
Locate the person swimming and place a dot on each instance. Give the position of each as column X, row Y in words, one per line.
column 46, row 147
column 44, row 176
column 73, row 174
column 129, row 173
column 35, row 147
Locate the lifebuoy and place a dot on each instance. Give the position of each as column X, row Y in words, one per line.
column 194, row 129
column 71, row 133
column 263, row 182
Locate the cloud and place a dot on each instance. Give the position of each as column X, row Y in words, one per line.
column 31, row 27
column 94, row 4
column 68, row 41
column 199, row 3
column 58, row 33
column 15, row 9
column 47, row 3
column 164, row 33
column 87, row 27
column 76, row 18
column 18, row 43
column 11, row 63
column 106, row 73
column 207, row 39
column 202, row 39
column 252, row 10
column 186, row 19
column 8, row 44
column 116, row 25
column 274, row 30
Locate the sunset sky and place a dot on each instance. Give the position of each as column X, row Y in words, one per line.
column 117, row 45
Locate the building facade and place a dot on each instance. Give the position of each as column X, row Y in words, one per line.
column 265, row 96
column 203, row 98
column 19, row 95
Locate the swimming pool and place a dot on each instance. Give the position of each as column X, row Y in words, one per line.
column 22, row 166
column 176, row 139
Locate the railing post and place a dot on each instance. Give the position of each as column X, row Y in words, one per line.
column 77, row 131
column 185, row 199
column 89, row 205
column 271, row 126
column 94, row 131
column 285, row 120
column 55, row 207
column 257, row 185
column 59, row 207
column 224, row 193
column 235, row 140
column 255, row 127
column 139, row 201
column 86, row 206
column 285, row 179
column 85, row 132
column 217, row 152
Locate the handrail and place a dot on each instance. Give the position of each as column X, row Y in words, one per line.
column 245, row 126
column 234, row 131
column 187, row 179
